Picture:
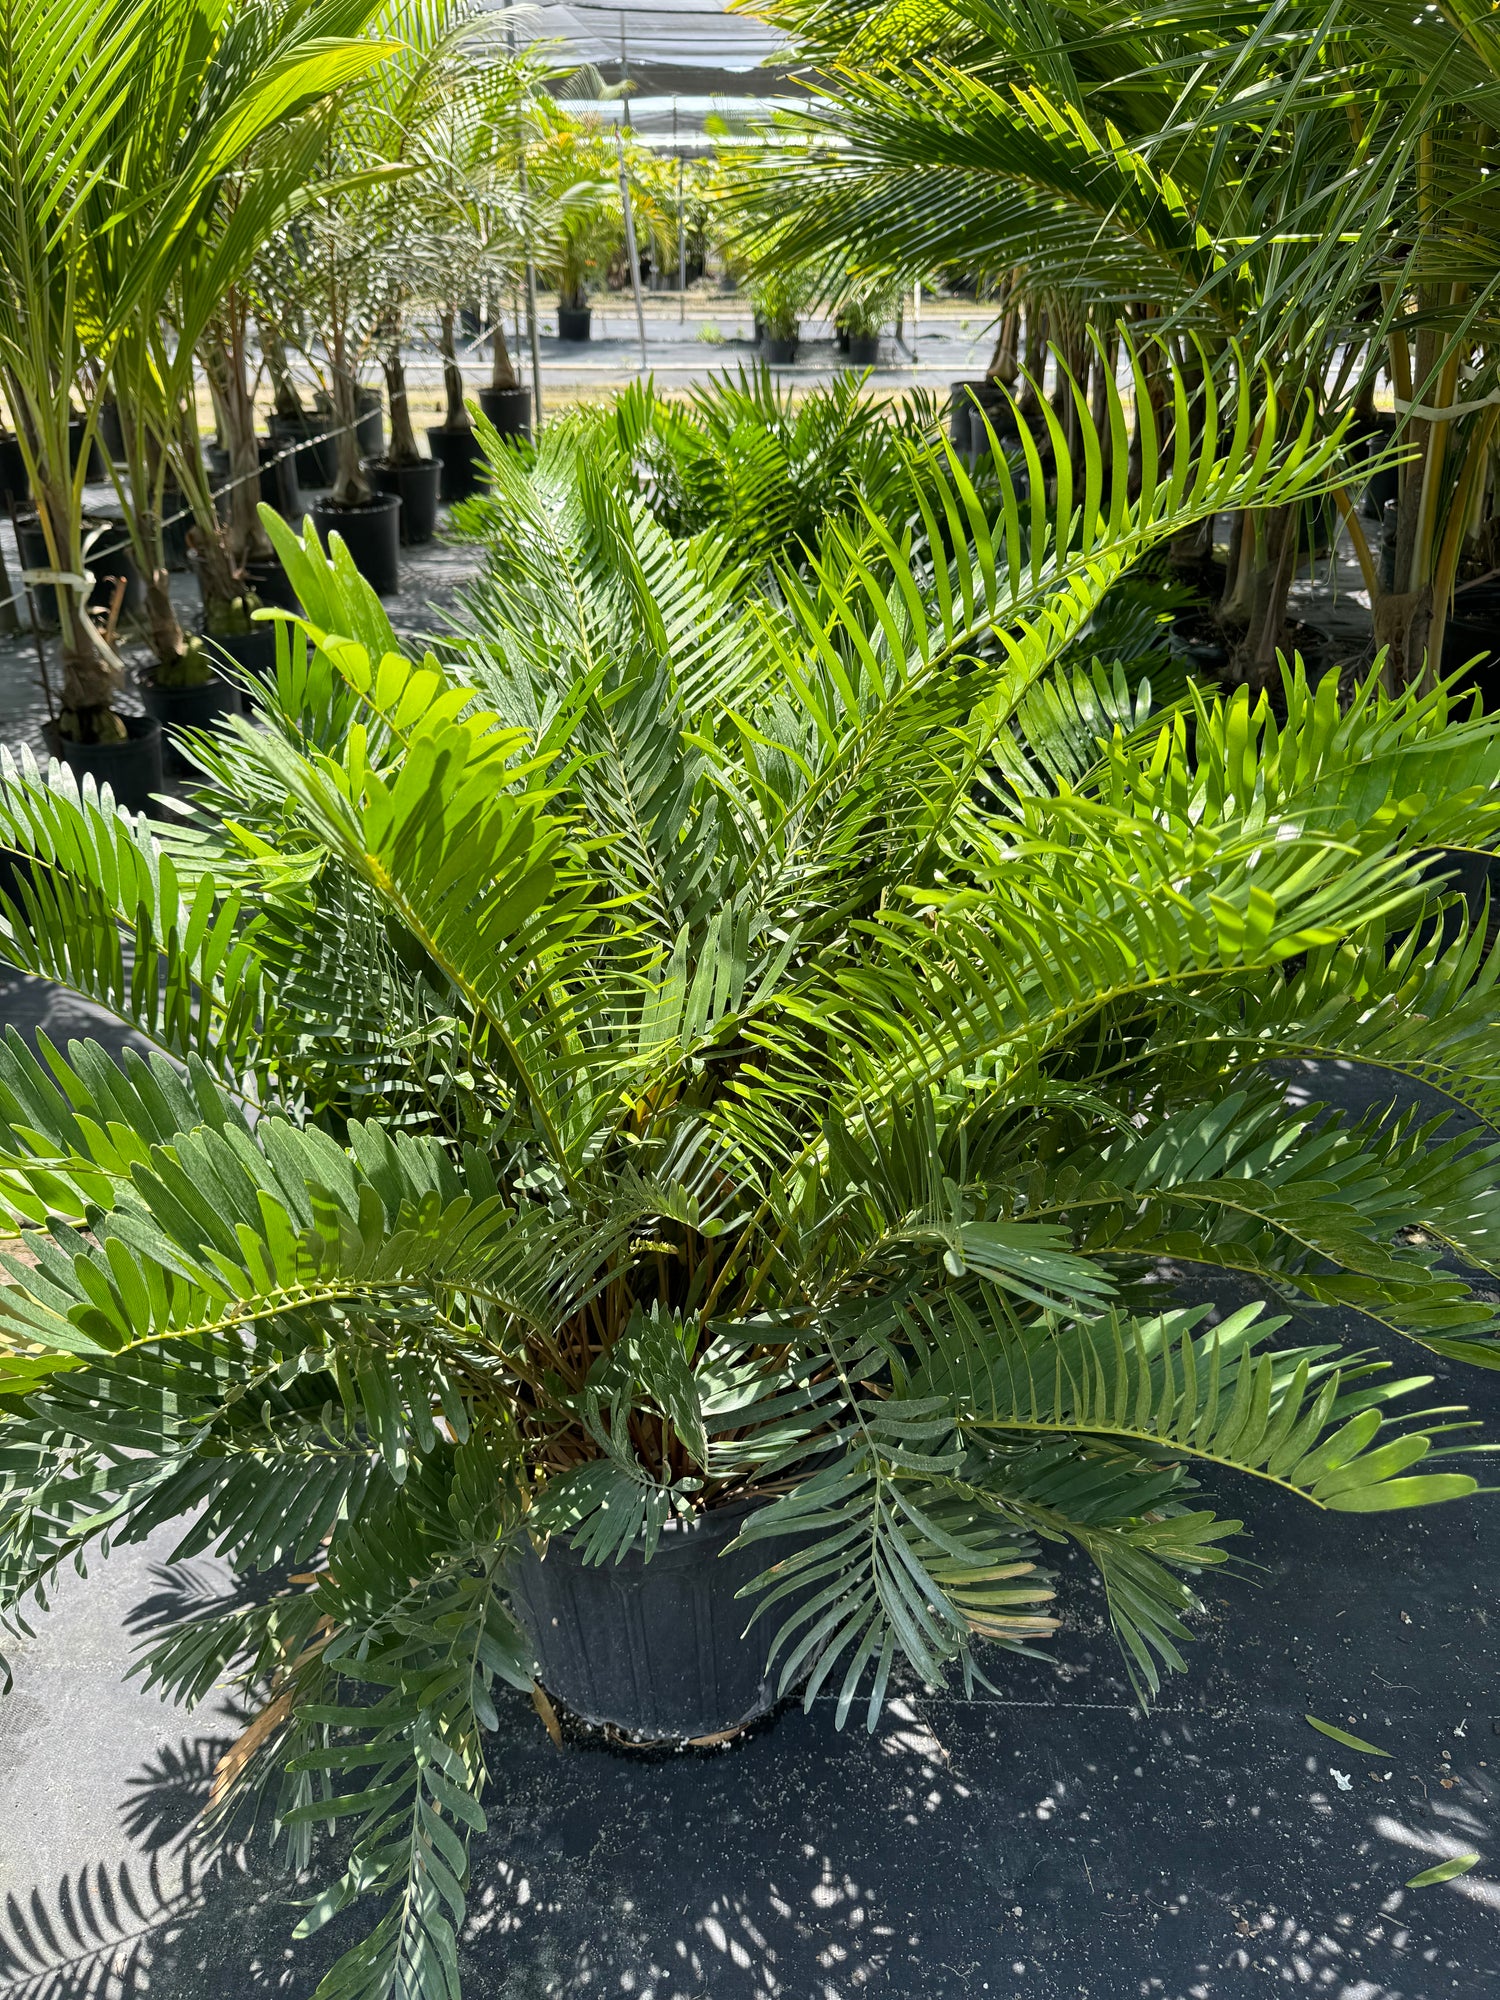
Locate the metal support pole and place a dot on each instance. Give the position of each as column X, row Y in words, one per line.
column 916, row 319
column 531, row 332
column 630, row 249
column 681, row 238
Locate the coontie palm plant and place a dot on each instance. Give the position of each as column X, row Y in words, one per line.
column 751, row 463
column 707, row 1046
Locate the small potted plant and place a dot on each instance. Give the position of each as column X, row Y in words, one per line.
column 862, row 315
column 779, row 300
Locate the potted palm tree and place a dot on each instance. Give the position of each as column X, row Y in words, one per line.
column 83, row 264
column 725, row 1073
column 862, row 313
column 572, row 172
column 1112, row 191
column 207, row 314
column 454, row 442
column 779, row 298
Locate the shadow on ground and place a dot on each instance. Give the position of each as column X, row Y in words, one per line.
column 1051, row 1841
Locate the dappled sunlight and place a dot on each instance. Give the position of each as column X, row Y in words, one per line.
column 794, row 1913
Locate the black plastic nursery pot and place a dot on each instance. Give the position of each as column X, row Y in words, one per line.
column 864, row 350
column 461, row 456
column 15, row 486
column 960, row 407
column 1473, row 634
column 108, row 560
column 509, row 410
column 111, row 430
column 657, row 1650
column 252, row 652
column 97, row 470
column 132, row 769
column 369, row 423
column 316, row 461
column 573, row 322
column 205, row 706
column 267, row 577
column 1197, row 641
column 965, row 400
column 372, row 535
column 279, row 485
column 175, row 522
column 418, row 487
column 780, row 353
column 1371, row 436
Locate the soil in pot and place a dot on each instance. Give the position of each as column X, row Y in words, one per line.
column 780, row 353
column 461, row 456
column 372, row 535
column 418, row 487
column 658, row 1650
column 864, row 350
column 509, row 410
column 132, row 769
column 279, row 485
column 573, row 322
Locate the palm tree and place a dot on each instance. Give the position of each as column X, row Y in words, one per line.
column 122, row 122
column 708, row 1044
column 1307, row 182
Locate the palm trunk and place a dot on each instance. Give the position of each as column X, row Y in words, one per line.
column 350, row 487
column 226, row 359
column 1254, row 611
column 140, row 484
column 227, row 598
column 502, row 368
column 287, row 403
column 457, row 418
column 1036, row 369
column 403, row 450
column 91, row 671
column 1004, row 366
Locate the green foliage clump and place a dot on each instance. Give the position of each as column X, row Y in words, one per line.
column 707, row 1041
